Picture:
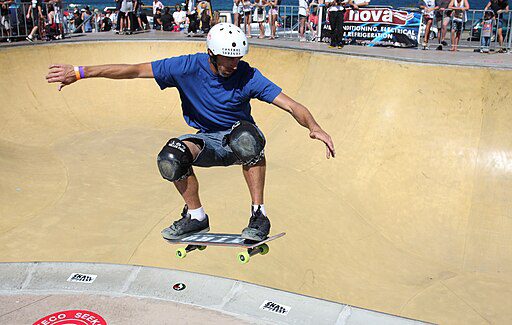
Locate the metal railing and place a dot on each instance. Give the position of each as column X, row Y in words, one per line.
column 21, row 21
column 288, row 22
column 26, row 18
column 23, row 17
column 471, row 35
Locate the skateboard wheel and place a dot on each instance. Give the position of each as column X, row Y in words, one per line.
column 201, row 248
column 244, row 257
column 264, row 249
column 181, row 253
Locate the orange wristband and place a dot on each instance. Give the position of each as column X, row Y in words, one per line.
column 77, row 73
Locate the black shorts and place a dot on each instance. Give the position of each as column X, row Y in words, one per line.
column 457, row 26
column 35, row 16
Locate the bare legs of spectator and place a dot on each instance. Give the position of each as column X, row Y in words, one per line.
column 125, row 23
column 7, row 27
column 262, row 29
column 237, row 19
column 129, row 18
column 30, row 36
column 273, row 26
column 141, row 23
column 500, row 37
column 61, row 30
column 311, row 30
column 302, row 23
column 455, row 39
column 247, row 24
column 442, row 29
column 427, row 33
column 122, row 23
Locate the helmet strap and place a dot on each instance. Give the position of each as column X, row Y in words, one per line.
column 213, row 60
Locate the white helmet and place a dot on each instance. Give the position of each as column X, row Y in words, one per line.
column 227, row 40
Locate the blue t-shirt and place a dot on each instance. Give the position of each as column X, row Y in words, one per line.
column 210, row 102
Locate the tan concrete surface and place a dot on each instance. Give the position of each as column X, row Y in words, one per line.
column 412, row 218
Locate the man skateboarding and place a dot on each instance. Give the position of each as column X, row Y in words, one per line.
column 215, row 89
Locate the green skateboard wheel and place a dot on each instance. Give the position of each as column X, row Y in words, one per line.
column 264, row 249
column 181, row 253
column 201, row 248
column 244, row 257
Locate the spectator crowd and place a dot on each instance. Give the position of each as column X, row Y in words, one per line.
column 48, row 21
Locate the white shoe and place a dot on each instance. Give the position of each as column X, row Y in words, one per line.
column 30, row 39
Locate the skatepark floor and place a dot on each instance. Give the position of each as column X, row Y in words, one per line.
column 412, row 218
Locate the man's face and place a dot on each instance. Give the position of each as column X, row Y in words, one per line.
column 227, row 65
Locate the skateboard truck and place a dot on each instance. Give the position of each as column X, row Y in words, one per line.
column 182, row 252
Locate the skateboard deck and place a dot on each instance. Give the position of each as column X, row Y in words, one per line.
column 201, row 241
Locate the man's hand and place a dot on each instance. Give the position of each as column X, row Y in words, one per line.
column 304, row 117
column 63, row 73
column 321, row 135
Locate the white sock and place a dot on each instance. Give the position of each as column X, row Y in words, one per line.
column 262, row 208
column 197, row 214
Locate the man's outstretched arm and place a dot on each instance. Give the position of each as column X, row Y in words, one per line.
column 66, row 74
column 304, row 118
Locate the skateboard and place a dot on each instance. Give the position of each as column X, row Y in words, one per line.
column 201, row 241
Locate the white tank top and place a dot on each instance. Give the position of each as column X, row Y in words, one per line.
column 459, row 15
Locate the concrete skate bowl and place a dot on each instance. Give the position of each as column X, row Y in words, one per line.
column 412, row 218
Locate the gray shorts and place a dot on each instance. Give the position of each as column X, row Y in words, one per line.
column 215, row 151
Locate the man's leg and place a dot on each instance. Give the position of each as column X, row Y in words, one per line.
column 259, row 224
column 193, row 218
column 255, row 179
column 189, row 187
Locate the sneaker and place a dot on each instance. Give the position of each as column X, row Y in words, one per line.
column 185, row 226
column 443, row 43
column 440, row 47
column 258, row 228
column 9, row 40
column 30, row 39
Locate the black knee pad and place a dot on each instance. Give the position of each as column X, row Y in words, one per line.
column 175, row 160
column 246, row 142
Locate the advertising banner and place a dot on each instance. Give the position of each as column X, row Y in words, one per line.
column 381, row 27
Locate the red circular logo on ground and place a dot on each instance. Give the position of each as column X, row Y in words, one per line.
column 72, row 317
